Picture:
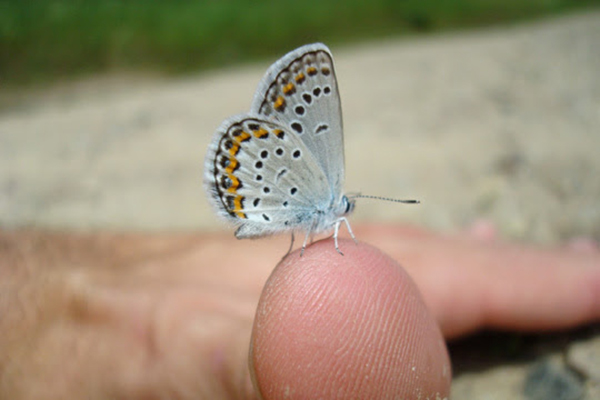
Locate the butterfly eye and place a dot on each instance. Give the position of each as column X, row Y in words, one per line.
column 349, row 205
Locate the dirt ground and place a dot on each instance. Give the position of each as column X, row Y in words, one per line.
column 500, row 124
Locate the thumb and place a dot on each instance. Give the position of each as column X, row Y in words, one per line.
column 354, row 326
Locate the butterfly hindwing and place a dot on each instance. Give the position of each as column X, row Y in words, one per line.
column 262, row 177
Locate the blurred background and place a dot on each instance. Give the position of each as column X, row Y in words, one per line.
column 482, row 109
column 41, row 42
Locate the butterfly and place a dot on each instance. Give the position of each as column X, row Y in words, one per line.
column 280, row 167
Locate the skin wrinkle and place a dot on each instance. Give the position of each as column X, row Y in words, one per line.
column 349, row 346
column 413, row 334
column 386, row 341
column 408, row 334
column 381, row 343
column 345, row 347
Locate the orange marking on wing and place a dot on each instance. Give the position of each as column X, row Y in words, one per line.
column 259, row 133
column 300, row 77
column 288, row 89
column 278, row 133
column 235, row 148
column 238, row 207
column 243, row 137
column 279, row 103
column 311, row 71
column 233, row 163
column 235, row 183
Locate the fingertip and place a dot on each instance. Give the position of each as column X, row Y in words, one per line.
column 329, row 324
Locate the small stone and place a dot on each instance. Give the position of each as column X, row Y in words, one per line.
column 550, row 380
column 584, row 357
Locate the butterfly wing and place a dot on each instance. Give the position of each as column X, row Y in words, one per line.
column 260, row 176
column 300, row 92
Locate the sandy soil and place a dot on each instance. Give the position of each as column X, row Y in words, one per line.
column 501, row 124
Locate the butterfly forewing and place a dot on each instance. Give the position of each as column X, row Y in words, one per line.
column 300, row 91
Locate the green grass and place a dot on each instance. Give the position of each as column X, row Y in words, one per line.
column 45, row 40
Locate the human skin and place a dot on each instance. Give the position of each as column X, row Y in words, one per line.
column 109, row 316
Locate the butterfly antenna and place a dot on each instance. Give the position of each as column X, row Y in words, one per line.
column 361, row 196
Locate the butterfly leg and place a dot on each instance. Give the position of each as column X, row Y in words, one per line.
column 291, row 246
column 336, row 230
column 349, row 229
column 305, row 242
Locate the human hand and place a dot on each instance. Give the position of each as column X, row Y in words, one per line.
column 124, row 316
